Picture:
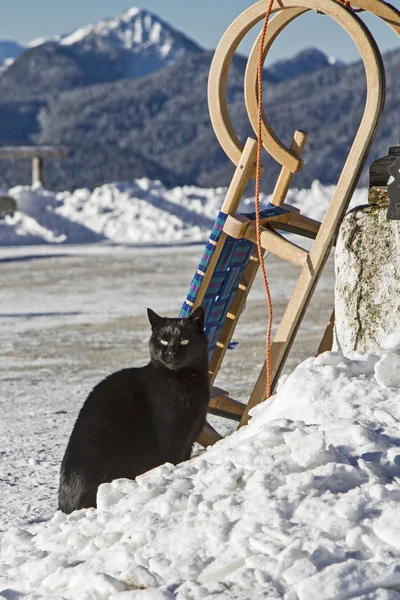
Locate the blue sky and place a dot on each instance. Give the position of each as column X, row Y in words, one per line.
column 203, row 20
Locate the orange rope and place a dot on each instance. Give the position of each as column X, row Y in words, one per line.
column 257, row 196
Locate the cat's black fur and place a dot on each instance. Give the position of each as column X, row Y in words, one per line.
column 139, row 418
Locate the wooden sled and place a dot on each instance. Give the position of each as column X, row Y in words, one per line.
column 207, row 288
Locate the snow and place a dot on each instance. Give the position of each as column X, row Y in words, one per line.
column 335, row 61
column 43, row 40
column 137, row 212
column 392, row 343
column 387, row 370
column 300, row 504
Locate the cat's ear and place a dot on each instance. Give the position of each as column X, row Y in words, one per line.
column 154, row 318
column 197, row 317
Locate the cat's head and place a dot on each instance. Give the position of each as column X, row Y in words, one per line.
column 178, row 343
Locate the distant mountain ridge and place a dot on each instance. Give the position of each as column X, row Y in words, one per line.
column 306, row 61
column 140, row 42
column 10, row 49
column 164, row 117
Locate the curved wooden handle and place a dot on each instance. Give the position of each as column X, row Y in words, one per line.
column 271, row 142
column 275, row 147
column 385, row 11
column 288, row 10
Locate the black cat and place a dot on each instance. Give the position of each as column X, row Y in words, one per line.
column 139, row 418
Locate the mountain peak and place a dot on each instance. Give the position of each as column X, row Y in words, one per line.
column 133, row 31
column 312, row 53
column 306, row 61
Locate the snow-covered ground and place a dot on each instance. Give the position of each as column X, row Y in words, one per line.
column 301, row 504
column 138, row 212
column 287, row 507
column 70, row 315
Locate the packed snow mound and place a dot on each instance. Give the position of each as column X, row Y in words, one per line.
column 301, row 504
column 137, row 212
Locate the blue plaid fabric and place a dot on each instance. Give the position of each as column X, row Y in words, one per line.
column 203, row 265
column 226, row 278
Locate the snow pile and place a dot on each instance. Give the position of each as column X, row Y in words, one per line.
column 140, row 212
column 302, row 504
column 137, row 212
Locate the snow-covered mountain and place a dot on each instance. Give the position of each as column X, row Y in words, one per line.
column 138, row 40
column 145, row 42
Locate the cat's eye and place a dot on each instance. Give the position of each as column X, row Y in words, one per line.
column 164, row 342
column 184, row 342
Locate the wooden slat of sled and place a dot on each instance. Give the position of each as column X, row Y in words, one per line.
column 230, row 205
column 208, row 436
column 222, row 403
column 233, row 316
column 285, row 178
column 327, row 339
column 235, row 226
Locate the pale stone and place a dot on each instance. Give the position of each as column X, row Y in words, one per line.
column 367, row 290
